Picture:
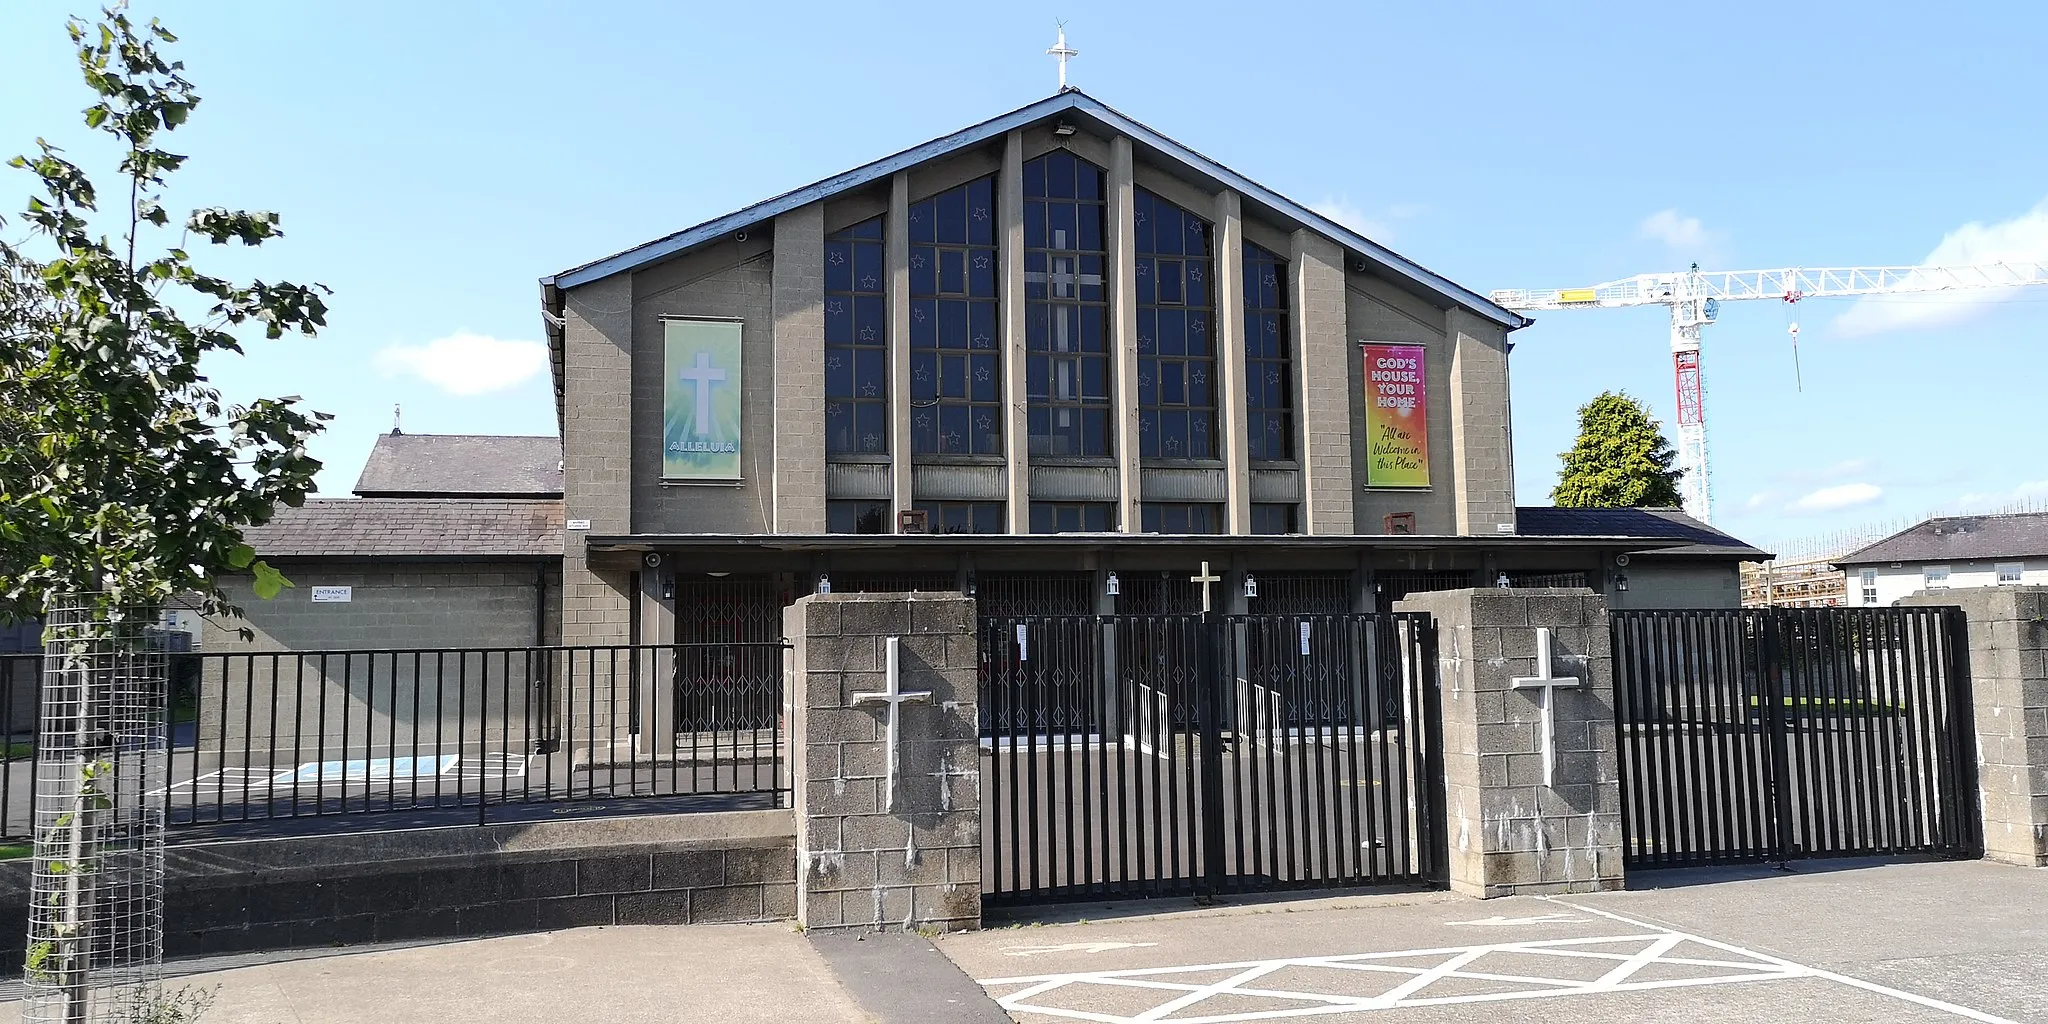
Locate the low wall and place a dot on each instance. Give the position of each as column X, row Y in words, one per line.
column 461, row 882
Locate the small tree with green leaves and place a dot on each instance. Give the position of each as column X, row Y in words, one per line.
column 126, row 479
column 123, row 471
column 1621, row 459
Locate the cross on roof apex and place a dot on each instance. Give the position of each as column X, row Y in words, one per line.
column 1062, row 52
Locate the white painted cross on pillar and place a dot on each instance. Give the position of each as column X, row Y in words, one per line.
column 1205, row 577
column 894, row 696
column 1546, row 686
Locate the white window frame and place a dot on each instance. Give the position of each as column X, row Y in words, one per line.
column 2017, row 569
column 1934, row 577
column 1868, row 581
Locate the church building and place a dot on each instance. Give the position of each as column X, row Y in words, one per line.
column 1057, row 361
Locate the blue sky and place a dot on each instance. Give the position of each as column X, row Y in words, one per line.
column 432, row 161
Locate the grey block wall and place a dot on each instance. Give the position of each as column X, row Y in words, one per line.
column 1482, row 444
column 321, row 891
column 799, row 370
column 2008, row 636
column 1509, row 833
column 597, row 447
column 867, row 860
column 1323, row 354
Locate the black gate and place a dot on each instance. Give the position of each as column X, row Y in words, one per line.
column 1782, row 733
column 1155, row 755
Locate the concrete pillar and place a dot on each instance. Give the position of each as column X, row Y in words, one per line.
column 1235, row 451
column 1016, row 425
column 1322, row 359
column 896, row 256
column 799, row 307
column 2008, row 638
column 1482, row 449
column 1123, row 322
column 655, row 676
column 865, row 859
column 1508, row 832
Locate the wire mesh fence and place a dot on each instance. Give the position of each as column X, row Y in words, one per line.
column 95, row 935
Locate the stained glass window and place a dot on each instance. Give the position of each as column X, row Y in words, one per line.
column 1180, row 517
column 1067, row 366
column 1176, row 361
column 963, row 516
column 1268, row 357
column 1072, row 517
column 856, row 342
column 956, row 373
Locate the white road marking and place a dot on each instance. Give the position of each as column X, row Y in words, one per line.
column 1409, row 984
column 1073, row 947
column 1498, row 921
column 1867, row 986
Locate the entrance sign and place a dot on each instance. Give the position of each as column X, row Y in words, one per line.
column 1396, row 416
column 333, row 595
column 700, row 408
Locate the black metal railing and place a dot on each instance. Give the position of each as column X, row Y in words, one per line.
column 20, row 698
column 295, row 741
column 1774, row 734
column 1149, row 755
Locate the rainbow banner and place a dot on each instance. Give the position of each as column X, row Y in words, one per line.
column 1396, row 416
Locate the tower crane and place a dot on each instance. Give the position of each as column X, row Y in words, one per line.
column 1695, row 298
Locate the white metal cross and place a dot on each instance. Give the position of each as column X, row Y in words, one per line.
column 1545, row 684
column 1063, row 53
column 1205, row 578
column 895, row 697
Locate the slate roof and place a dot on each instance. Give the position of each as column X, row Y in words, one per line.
column 462, row 466
column 1648, row 523
column 1960, row 539
column 412, row 527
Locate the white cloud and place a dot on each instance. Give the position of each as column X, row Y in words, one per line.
column 1836, row 498
column 465, row 364
column 1344, row 212
column 1758, row 500
column 2025, row 495
column 2021, row 238
column 1686, row 235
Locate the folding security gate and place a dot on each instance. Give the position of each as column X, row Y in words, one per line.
column 1151, row 755
column 1783, row 733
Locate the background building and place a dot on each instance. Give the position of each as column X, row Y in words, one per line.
column 1950, row 552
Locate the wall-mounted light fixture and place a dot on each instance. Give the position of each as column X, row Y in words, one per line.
column 1063, row 128
column 971, row 584
column 1251, row 586
column 824, row 583
column 1111, row 587
column 1503, row 583
column 1621, row 582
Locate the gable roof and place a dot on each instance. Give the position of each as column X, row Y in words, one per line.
column 1647, row 523
column 1144, row 139
column 462, row 466
column 1960, row 539
column 412, row 527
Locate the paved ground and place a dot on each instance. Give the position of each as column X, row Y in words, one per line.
column 1840, row 942
column 1903, row 942
column 729, row 973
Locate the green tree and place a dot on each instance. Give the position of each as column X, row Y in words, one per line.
column 123, row 472
column 1622, row 459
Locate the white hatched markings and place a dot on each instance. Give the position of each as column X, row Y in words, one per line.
column 318, row 774
column 1357, row 983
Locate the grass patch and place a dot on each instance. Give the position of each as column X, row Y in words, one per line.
column 15, row 851
column 20, row 749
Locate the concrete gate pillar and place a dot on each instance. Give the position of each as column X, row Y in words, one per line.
column 1518, row 821
column 886, row 773
column 2008, row 640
